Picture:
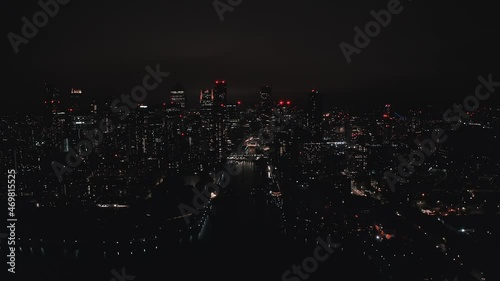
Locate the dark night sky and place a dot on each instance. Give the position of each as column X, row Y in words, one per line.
column 429, row 51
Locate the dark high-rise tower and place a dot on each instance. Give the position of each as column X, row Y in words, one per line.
column 54, row 120
column 220, row 101
column 314, row 114
column 265, row 105
column 220, row 93
column 265, row 96
column 52, row 101
column 388, row 124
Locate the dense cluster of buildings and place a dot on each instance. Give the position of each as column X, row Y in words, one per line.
column 325, row 165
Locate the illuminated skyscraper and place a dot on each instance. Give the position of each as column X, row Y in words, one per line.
column 387, row 111
column 206, row 100
column 75, row 97
column 207, row 140
column 178, row 97
column 233, row 115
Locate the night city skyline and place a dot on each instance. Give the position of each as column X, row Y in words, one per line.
column 423, row 53
column 250, row 140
